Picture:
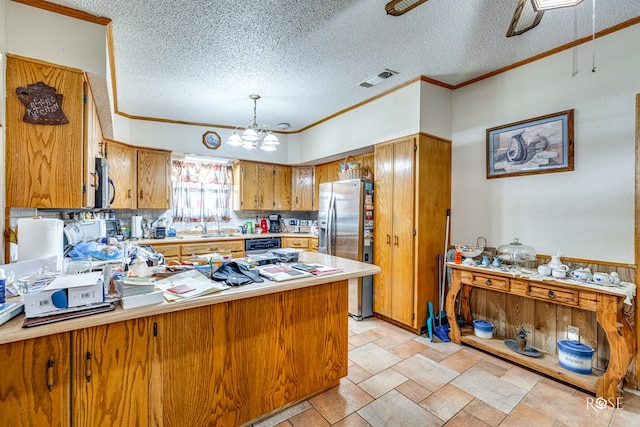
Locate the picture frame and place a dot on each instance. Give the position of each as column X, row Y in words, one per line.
column 539, row 145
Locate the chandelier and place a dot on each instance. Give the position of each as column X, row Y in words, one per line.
column 253, row 136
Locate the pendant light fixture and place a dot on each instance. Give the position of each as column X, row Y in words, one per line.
column 254, row 136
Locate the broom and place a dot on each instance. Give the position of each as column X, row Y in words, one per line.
column 442, row 331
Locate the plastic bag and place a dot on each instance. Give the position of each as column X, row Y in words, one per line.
column 95, row 250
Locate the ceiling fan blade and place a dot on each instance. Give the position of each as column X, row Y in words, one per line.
column 524, row 18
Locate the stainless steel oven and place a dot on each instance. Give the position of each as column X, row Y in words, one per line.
column 261, row 245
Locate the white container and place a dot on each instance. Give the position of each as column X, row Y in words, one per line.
column 483, row 329
column 575, row 356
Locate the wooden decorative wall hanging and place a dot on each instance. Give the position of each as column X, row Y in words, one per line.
column 42, row 104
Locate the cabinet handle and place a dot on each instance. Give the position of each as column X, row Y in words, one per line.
column 488, row 282
column 551, row 295
column 261, row 199
column 395, row 240
column 87, row 366
column 388, row 239
column 50, row 364
column 142, row 194
column 129, row 194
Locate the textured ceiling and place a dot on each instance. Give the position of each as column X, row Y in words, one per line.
column 199, row 60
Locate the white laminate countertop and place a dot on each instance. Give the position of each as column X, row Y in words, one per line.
column 195, row 238
column 12, row 330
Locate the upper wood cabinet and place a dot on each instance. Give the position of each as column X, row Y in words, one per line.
column 44, row 162
column 122, row 171
column 411, row 198
column 261, row 186
column 92, row 145
column 154, row 179
column 328, row 172
column 302, row 188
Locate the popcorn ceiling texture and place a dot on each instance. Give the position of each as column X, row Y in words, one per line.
column 199, row 60
column 101, row 98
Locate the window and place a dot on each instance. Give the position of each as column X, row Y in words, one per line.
column 201, row 191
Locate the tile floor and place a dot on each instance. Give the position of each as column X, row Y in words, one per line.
column 399, row 379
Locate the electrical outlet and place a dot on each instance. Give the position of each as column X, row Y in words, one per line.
column 573, row 333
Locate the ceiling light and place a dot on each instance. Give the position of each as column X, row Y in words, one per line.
column 378, row 78
column 553, row 4
column 398, row 7
column 524, row 18
column 253, row 136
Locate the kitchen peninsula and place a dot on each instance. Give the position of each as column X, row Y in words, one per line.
column 224, row 359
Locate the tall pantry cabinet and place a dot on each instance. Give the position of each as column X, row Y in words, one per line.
column 412, row 194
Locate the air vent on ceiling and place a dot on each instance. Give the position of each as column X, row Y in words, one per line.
column 374, row 80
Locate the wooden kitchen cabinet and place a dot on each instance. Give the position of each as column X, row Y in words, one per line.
column 295, row 242
column 303, row 188
column 412, row 195
column 329, row 172
column 44, row 162
column 92, row 145
column 35, row 383
column 154, row 179
column 235, row 246
column 122, row 171
column 170, row 252
column 111, row 374
column 261, row 186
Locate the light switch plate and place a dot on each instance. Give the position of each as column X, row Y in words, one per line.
column 573, row 333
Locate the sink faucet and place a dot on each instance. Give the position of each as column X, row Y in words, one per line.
column 204, row 228
column 219, row 227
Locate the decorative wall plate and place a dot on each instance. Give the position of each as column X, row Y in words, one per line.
column 211, row 140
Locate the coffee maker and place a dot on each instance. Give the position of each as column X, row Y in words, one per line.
column 274, row 223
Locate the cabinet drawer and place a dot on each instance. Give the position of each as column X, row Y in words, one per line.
column 313, row 245
column 553, row 294
column 484, row 281
column 235, row 246
column 295, row 242
column 167, row 250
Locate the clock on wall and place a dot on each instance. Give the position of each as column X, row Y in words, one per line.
column 211, row 140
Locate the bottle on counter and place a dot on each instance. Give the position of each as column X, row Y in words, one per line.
column 3, row 286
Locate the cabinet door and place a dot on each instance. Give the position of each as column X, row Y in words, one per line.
column 153, row 179
column 246, row 186
column 264, row 186
column 112, row 374
column 402, row 290
column 302, row 188
column 35, row 384
column 44, row 162
column 281, row 188
column 121, row 158
column 383, row 226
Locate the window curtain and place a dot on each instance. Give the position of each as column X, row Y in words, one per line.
column 201, row 191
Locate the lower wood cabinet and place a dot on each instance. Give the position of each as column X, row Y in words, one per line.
column 35, row 387
column 295, row 242
column 111, row 374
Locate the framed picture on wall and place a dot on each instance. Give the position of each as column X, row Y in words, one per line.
column 539, row 145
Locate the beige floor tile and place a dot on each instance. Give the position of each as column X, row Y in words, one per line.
column 284, row 424
column 395, row 333
column 625, row 418
column 338, row 402
column 485, row 412
column 364, row 338
column 461, row 361
column 277, row 419
column 491, row 367
column 394, row 409
column 353, row 420
column 496, row 360
column 373, row 358
column 382, row 383
column 425, row 372
column 447, row 348
column 309, row 418
column 356, row 374
column 490, row 389
column 434, row 355
column 465, row 419
column 407, row 349
column 524, row 416
column 556, row 402
column 523, row 378
column 360, row 326
column 385, row 343
column 446, row 402
column 414, row 391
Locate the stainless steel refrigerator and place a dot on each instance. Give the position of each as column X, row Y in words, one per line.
column 345, row 229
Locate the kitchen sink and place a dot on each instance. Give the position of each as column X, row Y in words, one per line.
column 210, row 236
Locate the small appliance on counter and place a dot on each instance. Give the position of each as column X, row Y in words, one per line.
column 263, row 225
column 274, row 223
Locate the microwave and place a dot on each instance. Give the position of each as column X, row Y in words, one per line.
column 104, row 186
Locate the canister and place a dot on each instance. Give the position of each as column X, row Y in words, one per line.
column 575, row 356
column 483, row 329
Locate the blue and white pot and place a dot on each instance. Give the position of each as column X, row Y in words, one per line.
column 575, row 356
column 483, row 329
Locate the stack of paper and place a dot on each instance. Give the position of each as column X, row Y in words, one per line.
column 129, row 286
column 189, row 284
column 10, row 310
column 316, row 269
column 280, row 273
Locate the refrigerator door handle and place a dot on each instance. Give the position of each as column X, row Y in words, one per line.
column 331, row 217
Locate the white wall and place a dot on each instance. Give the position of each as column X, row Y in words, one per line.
column 586, row 213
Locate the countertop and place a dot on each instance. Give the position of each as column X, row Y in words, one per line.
column 194, row 238
column 12, row 330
